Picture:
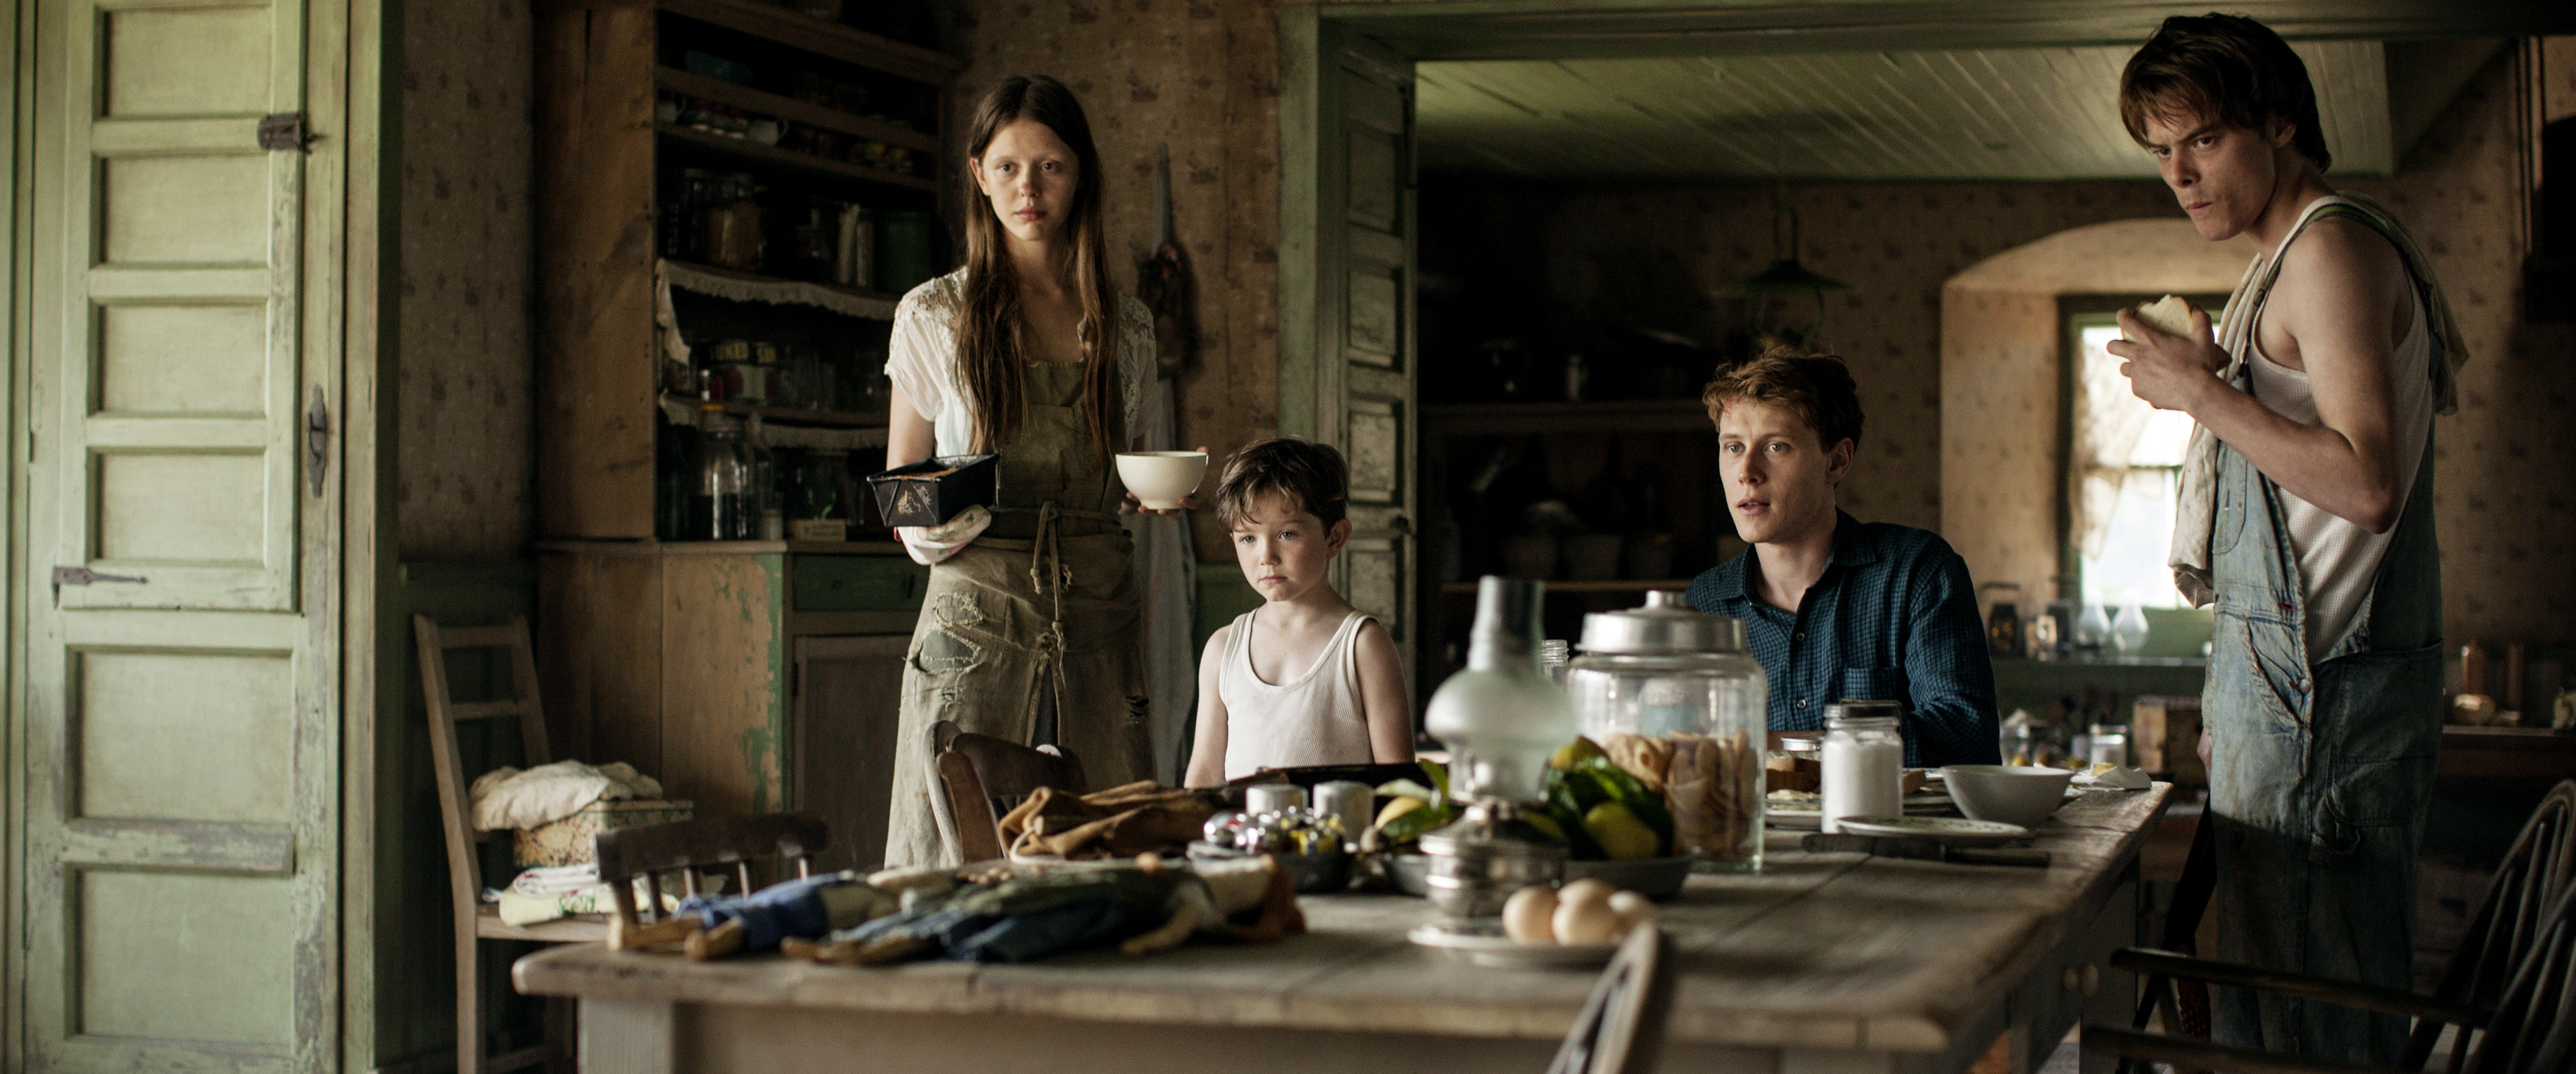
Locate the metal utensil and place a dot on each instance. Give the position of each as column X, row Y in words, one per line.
column 1881, row 846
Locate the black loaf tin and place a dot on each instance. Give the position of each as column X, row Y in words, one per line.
column 932, row 491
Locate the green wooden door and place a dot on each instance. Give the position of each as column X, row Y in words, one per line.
column 182, row 594
column 1347, row 342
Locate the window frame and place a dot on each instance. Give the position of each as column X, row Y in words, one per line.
column 2075, row 313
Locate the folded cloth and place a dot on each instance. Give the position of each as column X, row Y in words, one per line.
column 930, row 544
column 2196, row 508
column 545, row 880
column 522, row 908
column 506, row 797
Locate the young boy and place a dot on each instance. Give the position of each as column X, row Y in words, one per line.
column 1304, row 679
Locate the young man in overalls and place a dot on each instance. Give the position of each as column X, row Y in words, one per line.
column 2307, row 518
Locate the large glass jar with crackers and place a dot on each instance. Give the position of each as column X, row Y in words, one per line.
column 1672, row 695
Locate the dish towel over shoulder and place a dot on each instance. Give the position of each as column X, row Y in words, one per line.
column 2197, row 510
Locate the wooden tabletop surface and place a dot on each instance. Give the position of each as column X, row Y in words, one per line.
column 1816, row 951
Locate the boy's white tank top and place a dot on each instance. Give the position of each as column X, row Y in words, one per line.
column 1315, row 718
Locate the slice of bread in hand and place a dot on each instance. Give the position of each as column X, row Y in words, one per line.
column 2169, row 315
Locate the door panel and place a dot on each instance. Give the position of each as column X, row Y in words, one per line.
column 168, row 200
column 1366, row 384
column 182, row 728
column 846, row 694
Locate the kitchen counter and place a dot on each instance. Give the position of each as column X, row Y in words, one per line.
column 1821, row 962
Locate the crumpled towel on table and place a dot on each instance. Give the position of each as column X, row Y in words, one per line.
column 506, row 797
column 545, row 893
column 1120, row 822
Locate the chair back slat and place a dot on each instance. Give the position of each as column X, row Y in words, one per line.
column 1621, row 1027
column 982, row 778
column 2524, row 907
column 652, row 849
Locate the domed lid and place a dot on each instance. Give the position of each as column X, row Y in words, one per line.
column 1666, row 625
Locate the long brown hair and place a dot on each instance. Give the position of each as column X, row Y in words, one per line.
column 991, row 336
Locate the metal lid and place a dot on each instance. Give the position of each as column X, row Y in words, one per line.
column 1667, row 624
column 1871, row 712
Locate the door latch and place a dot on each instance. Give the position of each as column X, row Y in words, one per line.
column 317, row 440
column 64, row 576
column 284, row 130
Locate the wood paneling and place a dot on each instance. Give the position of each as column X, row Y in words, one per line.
column 1983, row 114
column 724, row 682
column 594, row 247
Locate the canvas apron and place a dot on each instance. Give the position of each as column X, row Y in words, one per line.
column 1032, row 633
column 2319, row 774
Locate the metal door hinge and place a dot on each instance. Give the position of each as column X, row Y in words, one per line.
column 284, row 130
column 64, row 576
column 317, row 440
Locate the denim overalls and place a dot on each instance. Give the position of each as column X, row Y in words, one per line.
column 2319, row 776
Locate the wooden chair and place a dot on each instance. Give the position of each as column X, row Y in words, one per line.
column 2509, row 990
column 981, row 778
column 475, row 920
column 1621, row 1028
column 650, row 850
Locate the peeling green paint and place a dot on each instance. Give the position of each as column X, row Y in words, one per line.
column 759, row 746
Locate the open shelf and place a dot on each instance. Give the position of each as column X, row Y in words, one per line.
column 747, row 150
column 739, row 286
column 789, row 108
column 799, row 31
column 840, row 419
column 1617, row 416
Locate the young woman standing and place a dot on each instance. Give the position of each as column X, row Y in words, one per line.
column 1031, row 629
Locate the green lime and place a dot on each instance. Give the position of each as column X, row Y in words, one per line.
column 1619, row 832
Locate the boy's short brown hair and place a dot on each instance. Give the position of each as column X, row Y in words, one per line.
column 2226, row 68
column 1818, row 388
column 1310, row 476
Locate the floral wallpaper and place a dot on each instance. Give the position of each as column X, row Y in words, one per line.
column 465, row 377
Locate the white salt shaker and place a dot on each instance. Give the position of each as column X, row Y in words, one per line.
column 1864, row 762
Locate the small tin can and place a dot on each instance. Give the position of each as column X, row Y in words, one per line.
column 1348, row 802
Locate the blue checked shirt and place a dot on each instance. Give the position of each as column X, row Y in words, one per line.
column 1893, row 618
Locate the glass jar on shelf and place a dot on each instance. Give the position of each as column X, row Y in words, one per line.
column 722, row 505
column 1668, row 672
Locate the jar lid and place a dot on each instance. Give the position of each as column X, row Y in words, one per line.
column 1667, row 624
column 1873, row 711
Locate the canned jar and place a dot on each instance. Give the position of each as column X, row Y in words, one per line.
column 1864, row 762
column 1682, row 681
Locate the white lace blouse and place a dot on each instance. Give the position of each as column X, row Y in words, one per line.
column 921, row 359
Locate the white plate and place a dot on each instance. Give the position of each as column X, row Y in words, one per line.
column 1483, row 942
column 1806, row 818
column 1956, row 831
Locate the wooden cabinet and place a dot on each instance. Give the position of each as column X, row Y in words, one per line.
column 750, row 676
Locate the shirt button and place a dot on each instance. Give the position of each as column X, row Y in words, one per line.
column 1799, row 636
column 1802, row 702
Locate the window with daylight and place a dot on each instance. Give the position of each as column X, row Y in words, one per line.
column 2124, row 472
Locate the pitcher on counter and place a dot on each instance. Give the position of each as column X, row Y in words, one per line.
column 1031, row 627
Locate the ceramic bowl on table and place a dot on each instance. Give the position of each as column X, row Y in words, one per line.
column 1313, row 874
column 1160, row 478
column 2007, row 794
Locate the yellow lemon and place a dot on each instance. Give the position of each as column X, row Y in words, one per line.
column 1575, row 753
column 1398, row 808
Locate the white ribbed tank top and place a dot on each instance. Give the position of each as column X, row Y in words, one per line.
column 1315, row 718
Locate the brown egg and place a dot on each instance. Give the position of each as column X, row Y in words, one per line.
column 1527, row 914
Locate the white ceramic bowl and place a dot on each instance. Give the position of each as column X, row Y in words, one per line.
column 1160, row 478
column 2005, row 793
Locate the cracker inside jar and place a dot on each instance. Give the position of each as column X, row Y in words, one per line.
column 1712, row 783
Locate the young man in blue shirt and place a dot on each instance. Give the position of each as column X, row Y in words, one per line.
column 1833, row 607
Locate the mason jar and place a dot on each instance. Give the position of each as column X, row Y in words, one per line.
column 1681, row 681
column 1864, row 769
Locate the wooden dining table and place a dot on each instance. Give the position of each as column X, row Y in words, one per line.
column 1818, row 964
